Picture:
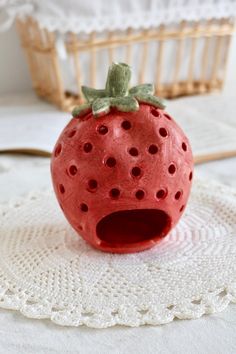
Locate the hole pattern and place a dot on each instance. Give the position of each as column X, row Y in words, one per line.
column 184, row 146
column 61, row 189
column 73, row 170
column 71, row 133
column 88, row 147
column 92, row 184
column 58, row 150
column 190, row 176
column 83, row 207
column 114, row 193
column 178, row 195
column 172, row 169
column 136, row 171
column 110, row 162
column 153, row 149
column 102, row 129
column 161, row 194
column 167, row 116
column 139, row 194
column 155, row 112
column 126, row 125
column 163, row 132
column 133, row 151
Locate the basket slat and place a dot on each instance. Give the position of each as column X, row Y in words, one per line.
column 159, row 63
column 179, row 55
column 110, row 49
column 190, row 83
column 143, row 63
column 227, row 39
column 205, row 58
column 128, row 57
column 75, row 53
column 92, row 60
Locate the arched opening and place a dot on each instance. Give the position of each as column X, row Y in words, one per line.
column 128, row 227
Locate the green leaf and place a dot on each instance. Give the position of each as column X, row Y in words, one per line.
column 80, row 111
column 116, row 94
column 101, row 106
column 91, row 94
column 153, row 100
column 125, row 104
column 142, row 89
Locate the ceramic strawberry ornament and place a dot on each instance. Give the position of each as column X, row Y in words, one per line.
column 122, row 168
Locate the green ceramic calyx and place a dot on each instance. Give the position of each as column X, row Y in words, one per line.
column 117, row 94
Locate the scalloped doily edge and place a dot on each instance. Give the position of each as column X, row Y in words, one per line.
column 215, row 301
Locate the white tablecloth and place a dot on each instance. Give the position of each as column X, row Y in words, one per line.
column 213, row 334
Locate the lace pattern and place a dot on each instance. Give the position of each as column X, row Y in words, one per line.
column 47, row 271
column 102, row 15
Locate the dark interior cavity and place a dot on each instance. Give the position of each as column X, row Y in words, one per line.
column 133, row 226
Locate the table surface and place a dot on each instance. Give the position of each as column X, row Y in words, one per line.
column 212, row 334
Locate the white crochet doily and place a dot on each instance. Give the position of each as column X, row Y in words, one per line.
column 47, row 271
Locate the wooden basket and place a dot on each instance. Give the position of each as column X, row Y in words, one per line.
column 46, row 72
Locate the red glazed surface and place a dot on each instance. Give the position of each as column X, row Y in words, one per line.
column 123, row 180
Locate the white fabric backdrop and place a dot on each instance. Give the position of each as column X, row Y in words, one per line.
column 87, row 16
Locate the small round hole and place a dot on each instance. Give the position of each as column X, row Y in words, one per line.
column 84, row 207
column 58, row 150
column 155, row 112
column 190, row 176
column 102, row 129
column 153, row 149
column 114, row 193
column 184, row 146
column 133, row 151
column 181, row 209
column 163, row 132
column 73, row 170
column 126, row 125
column 167, row 116
column 110, row 162
column 161, row 194
column 172, row 169
column 139, row 194
column 178, row 195
column 71, row 133
column 80, row 227
column 61, row 188
column 136, row 171
column 92, row 184
column 88, row 147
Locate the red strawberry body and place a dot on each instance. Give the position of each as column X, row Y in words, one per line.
column 123, row 180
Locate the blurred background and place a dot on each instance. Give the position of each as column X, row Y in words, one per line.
column 185, row 47
column 16, row 78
